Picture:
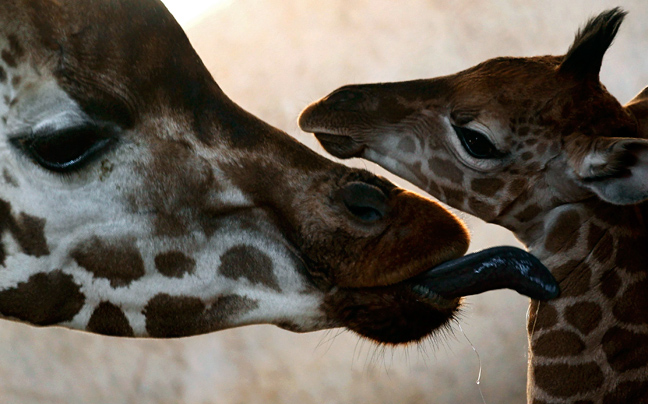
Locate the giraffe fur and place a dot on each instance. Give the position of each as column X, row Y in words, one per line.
column 539, row 146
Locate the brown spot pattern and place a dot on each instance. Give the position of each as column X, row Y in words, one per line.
column 518, row 186
column 574, row 278
column 407, row 145
column 416, row 169
column 3, row 75
column 174, row 264
column 546, row 317
column 480, row 208
column 28, row 231
column 44, row 299
column 250, row 263
column 433, row 189
column 453, row 197
column 179, row 192
column 108, row 319
column 8, row 178
column 289, row 326
column 575, row 379
column 559, row 343
column 631, row 306
column 632, row 254
column 487, row 186
column 617, row 216
column 563, row 234
column 528, row 213
column 610, row 283
column 585, row 316
column 14, row 46
column 625, row 350
column 541, row 149
column 594, row 235
column 180, row 316
column 445, row 169
column 8, row 58
column 628, row 392
column 119, row 261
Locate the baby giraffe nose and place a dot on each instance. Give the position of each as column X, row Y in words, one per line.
column 365, row 202
column 343, row 99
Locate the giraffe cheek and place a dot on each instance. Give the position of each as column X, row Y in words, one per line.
column 180, row 316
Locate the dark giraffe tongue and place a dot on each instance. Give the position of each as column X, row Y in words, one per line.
column 494, row 268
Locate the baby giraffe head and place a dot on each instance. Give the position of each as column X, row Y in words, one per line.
column 507, row 140
column 136, row 199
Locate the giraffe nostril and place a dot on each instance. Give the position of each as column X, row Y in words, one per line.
column 366, row 213
column 341, row 98
column 365, row 202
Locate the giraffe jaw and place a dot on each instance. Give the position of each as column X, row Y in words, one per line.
column 490, row 269
column 418, row 307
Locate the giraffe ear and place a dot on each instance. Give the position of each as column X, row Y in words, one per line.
column 616, row 169
column 585, row 56
column 638, row 108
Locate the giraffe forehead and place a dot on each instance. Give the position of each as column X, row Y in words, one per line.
column 133, row 71
column 515, row 78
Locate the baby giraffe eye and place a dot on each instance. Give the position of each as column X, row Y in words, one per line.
column 66, row 149
column 476, row 144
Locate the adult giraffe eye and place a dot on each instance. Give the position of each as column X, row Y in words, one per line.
column 476, row 144
column 66, row 149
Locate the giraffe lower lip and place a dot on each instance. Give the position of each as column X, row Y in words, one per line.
column 341, row 146
column 490, row 269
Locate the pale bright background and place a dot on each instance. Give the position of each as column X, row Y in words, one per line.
column 189, row 12
column 273, row 57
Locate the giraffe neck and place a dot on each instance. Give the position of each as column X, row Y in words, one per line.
column 592, row 342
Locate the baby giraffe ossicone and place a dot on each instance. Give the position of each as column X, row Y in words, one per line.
column 540, row 147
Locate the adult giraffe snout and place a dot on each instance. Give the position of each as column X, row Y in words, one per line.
column 391, row 234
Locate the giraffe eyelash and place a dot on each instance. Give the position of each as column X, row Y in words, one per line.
column 464, row 116
column 67, row 149
column 477, row 144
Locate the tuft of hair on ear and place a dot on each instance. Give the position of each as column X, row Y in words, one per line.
column 585, row 56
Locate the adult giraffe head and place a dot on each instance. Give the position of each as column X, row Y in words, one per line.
column 136, row 199
column 539, row 146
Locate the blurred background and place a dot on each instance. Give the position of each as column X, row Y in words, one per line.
column 273, row 57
